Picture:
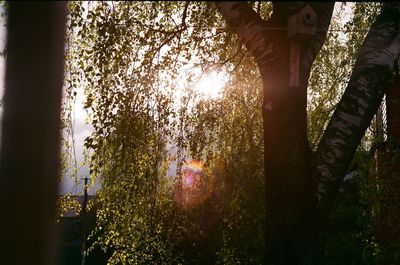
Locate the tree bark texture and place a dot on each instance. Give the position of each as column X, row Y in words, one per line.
column 368, row 83
column 300, row 189
column 30, row 144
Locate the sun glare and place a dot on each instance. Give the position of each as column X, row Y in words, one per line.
column 211, row 84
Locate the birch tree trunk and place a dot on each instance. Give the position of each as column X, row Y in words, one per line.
column 300, row 188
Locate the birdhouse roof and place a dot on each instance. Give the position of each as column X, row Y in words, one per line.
column 302, row 9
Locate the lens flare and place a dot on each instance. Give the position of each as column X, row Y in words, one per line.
column 195, row 184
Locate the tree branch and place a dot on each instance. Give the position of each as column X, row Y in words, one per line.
column 246, row 23
column 258, row 7
column 184, row 15
column 362, row 97
column 257, row 33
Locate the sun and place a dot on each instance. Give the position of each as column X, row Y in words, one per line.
column 211, row 84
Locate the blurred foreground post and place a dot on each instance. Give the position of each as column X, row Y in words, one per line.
column 30, row 144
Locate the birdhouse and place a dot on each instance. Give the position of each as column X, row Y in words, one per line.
column 302, row 24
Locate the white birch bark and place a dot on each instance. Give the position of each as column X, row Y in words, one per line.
column 363, row 95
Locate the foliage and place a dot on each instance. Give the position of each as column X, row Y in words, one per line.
column 332, row 68
column 329, row 76
column 352, row 234
column 67, row 203
column 130, row 116
column 379, row 198
column 137, row 63
column 125, row 55
column 236, row 156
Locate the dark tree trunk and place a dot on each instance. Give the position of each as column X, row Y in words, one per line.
column 292, row 229
column 388, row 172
column 30, row 144
column 300, row 188
column 393, row 108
